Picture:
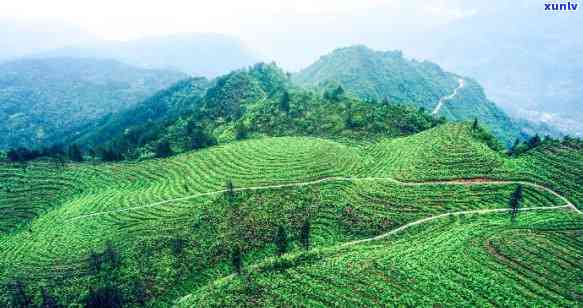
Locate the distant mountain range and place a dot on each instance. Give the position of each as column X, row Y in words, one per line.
column 199, row 54
column 44, row 99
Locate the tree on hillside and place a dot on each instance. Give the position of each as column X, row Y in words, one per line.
column 108, row 296
column 13, row 156
column 230, row 189
column 139, row 292
column 284, row 102
column 281, row 240
column 237, row 259
column 19, row 296
column 241, row 131
column 514, row 202
column 94, row 262
column 305, row 234
column 163, row 149
column 177, row 246
column 111, row 255
column 514, row 149
column 48, row 300
column 111, row 153
column 534, row 141
column 475, row 125
column 348, row 122
column 199, row 138
column 338, row 93
column 75, row 153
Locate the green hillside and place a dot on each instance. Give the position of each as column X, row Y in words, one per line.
column 378, row 75
column 164, row 230
column 43, row 100
column 250, row 103
column 534, row 262
column 145, row 116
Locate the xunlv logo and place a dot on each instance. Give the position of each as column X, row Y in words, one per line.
column 561, row 6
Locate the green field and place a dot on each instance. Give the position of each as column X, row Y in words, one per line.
column 53, row 217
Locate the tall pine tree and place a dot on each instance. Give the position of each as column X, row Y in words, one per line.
column 281, row 241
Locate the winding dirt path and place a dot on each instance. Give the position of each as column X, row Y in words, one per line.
column 446, row 98
column 409, row 225
column 339, row 179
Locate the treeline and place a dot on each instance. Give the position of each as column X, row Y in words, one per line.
column 521, row 147
column 58, row 152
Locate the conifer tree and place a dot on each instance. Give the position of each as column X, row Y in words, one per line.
column 94, row 262
column 305, row 234
column 475, row 125
column 230, row 189
column 75, row 153
column 281, row 241
column 19, row 297
column 515, row 200
column 284, row 102
column 163, row 149
column 237, row 259
column 48, row 300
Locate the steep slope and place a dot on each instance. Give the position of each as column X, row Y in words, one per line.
column 387, row 75
column 255, row 102
column 43, row 99
column 378, row 75
column 145, row 116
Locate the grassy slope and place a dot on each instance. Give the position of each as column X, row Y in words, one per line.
column 534, row 262
column 53, row 246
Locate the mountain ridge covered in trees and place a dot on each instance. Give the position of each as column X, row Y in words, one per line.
column 43, row 100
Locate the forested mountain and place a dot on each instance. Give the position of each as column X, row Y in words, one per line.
column 197, row 54
column 44, row 99
column 145, row 116
column 258, row 101
column 377, row 75
column 371, row 74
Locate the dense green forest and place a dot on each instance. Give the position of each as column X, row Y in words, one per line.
column 254, row 102
column 42, row 101
column 378, row 75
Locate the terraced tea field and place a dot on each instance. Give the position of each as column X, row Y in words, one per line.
column 53, row 218
column 458, row 261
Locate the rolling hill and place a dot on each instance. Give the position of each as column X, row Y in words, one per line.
column 253, row 102
column 378, row 75
column 163, row 230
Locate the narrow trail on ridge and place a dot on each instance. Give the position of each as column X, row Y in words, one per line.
column 446, row 98
column 403, row 228
column 332, row 179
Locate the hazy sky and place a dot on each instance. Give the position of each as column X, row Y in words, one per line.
column 128, row 19
column 274, row 28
